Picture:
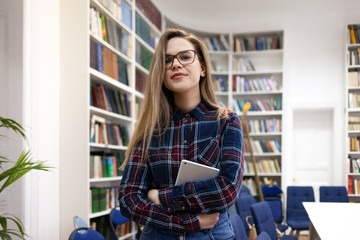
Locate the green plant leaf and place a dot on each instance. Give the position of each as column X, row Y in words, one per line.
column 3, row 222
column 9, row 217
column 23, row 165
column 13, row 125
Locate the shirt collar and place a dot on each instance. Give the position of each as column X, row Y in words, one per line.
column 197, row 112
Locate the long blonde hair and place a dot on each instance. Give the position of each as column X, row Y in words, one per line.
column 158, row 102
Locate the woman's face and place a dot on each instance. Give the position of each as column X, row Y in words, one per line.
column 179, row 78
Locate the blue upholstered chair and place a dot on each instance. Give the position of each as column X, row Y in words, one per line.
column 296, row 215
column 85, row 234
column 238, row 227
column 244, row 190
column 263, row 236
column 333, row 194
column 116, row 218
column 243, row 205
column 264, row 221
column 273, row 196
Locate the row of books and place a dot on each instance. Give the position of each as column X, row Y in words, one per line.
column 124, row 229
column 264, row 104
column 105, row 165
column 140, row 81
column 220, row 84
column 214, row 66
column 250, row 183
column 101, row 224
column 150, row 11
column 353, row 185
column 102, row 199
column 242, row 65
column 263, row 166
column 143, row 56
column 109, row 99
column 108, row 30
column 262, row 146
column 108, row 133
column 109, row 63
column 256, row 43
column 353, row 57
column 354, row 34
column 144, row 31
column 353, row 79
column 354, row 165
column 353, row 123
column 272, row 125
column 241, row 84
column 218, row 43
column 120, row 9
column 353, row 144
column 354, row 100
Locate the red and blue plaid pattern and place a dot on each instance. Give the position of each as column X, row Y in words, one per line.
column 199, row 136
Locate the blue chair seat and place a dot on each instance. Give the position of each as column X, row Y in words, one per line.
column 299, row 224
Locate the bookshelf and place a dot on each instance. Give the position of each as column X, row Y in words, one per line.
column 122, row 37
column 353, row 111
column 257, row 76
column 249, row 67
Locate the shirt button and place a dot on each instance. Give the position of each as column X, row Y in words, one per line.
column 169, row 209
column 185, row 121
column 185, row 141
column 181, row 238
column 182, row 208
column 187, row 115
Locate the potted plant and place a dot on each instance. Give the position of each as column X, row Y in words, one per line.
column 12, row 173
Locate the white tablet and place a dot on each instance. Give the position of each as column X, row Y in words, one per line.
column 194, row 172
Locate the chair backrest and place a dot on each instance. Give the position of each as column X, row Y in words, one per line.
column 333, row 194
column 296, row 195
column 116, row 218
column 79, row 222
column 238, row 227
column 263, row 236
column 271, row 190
column 243, row 205
column 85, row 234
column 244, row 190
column 275, row 205
column 264, row 221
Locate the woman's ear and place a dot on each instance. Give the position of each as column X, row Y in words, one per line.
column 203, row 71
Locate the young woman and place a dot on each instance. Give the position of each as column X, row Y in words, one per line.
column 181, row 119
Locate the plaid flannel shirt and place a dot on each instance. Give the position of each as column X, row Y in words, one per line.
column 199, row 136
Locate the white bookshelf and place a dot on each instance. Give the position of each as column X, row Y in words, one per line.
column 352, row 86
column 135, row 66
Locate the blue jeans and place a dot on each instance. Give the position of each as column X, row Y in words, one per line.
column 221, row 231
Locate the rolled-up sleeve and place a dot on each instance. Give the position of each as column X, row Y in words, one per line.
column 135, row 205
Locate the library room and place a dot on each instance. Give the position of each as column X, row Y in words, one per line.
column 250, row 130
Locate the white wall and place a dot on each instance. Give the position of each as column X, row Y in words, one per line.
column 30, row 95
column 314, row 52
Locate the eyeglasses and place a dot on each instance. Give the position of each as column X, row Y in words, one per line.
column 184, row 57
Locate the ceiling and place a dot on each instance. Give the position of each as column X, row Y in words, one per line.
column 231, row 15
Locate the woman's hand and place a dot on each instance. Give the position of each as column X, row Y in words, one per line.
column 153, row 195
column 207, row 221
